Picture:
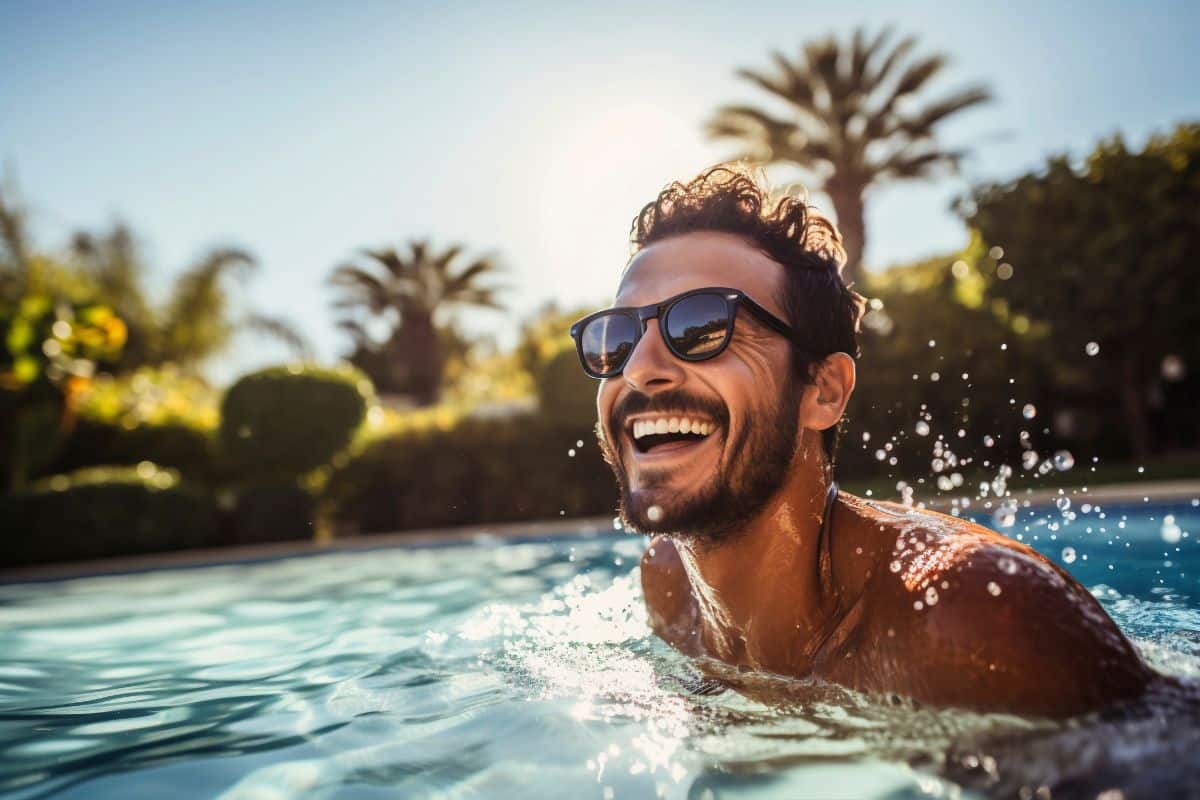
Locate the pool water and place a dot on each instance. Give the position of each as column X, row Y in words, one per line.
column 501, row 669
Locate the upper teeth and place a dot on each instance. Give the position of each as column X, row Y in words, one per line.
column 647, row 427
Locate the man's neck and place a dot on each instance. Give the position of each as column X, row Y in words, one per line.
column 761, row 596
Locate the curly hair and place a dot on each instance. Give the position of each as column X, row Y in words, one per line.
column 730, row 198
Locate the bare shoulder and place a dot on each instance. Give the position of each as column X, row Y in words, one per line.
column 986, row 622
column 668, row 593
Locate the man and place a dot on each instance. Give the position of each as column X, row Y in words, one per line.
column 725, row 365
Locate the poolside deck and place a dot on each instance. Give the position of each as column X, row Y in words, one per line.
column 1149, row 491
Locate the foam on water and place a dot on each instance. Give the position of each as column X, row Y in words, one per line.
column 528, row 670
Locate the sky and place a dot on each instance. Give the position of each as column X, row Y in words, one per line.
column 306, row 131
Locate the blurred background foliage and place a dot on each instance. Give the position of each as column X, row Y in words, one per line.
column 1064, row 331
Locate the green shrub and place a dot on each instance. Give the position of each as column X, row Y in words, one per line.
column 479, row 471
column 103, row 512
column 566, row 395
column 183, row 446
column 281, row 422
column 273, row 514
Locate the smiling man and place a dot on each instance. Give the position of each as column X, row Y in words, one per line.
column 725, row 366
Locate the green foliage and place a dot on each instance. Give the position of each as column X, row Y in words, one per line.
column 49, row 352
column 104, row 512
column 476, row 471
column 850, row 120
column 408, row 293
column 281, row 422
column 1103, row 252
column 186, row 447
column 273, row 514
column 566, row 395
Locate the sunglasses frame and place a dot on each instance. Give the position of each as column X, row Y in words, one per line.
column 734, row 299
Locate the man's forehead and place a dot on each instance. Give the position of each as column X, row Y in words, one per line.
column 695, row 260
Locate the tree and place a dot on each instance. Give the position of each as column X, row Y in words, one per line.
column 406, row 294
column 852, row 121
column 1103, row 253
column 196, row 322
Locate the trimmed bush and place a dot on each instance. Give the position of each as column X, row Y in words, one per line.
column 566, row 395
column 183, row 446
column 104, row 512
column 273, row 514
column 281, row 422
column 479, row 471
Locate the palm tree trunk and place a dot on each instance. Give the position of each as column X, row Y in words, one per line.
column 847, row 197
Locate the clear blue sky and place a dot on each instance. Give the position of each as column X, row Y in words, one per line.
column 303, row 131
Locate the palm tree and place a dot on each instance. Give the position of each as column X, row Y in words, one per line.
column 195, row 323
column 852, row 121
column 407, row 292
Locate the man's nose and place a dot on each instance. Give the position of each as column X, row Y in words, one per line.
column 651, row 366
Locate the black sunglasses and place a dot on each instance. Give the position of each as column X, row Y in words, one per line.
column 696, row 326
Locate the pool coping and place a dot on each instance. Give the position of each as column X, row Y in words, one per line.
column 1150, row 491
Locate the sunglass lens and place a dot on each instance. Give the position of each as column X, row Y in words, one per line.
column 606, row 343
column 698, row 325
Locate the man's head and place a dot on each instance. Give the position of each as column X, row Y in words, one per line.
column 767, row 400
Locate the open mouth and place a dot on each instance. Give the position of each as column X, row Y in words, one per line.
column 667, row 433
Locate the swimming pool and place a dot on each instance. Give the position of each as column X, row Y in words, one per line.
column 501, row 669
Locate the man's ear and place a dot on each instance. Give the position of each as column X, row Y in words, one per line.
column 831, row 384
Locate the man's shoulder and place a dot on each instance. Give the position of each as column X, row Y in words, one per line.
column 985, row 621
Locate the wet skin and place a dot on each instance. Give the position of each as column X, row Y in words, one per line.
column 898, row 600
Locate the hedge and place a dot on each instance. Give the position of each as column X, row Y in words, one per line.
column 184, row 446
column 479, row 471
column 103, row 512
column 281, row 422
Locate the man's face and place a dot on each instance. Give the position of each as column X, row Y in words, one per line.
column 747, row 397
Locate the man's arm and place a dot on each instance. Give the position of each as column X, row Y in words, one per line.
column 1013, row 632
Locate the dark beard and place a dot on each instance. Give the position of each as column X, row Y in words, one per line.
column 755, row 467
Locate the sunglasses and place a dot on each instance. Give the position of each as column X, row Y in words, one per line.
column 695, row 325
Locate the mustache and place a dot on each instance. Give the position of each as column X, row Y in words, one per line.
column 676, row 401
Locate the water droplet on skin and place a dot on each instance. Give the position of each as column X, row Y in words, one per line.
column 922, row 428
column 918, row 605
column 1091, row 348
column 1063, row 460
column 894, row 566
column 1029, row 411
column 993, row 588
column 654, row 513
column 931, row 596
column 1068, row 555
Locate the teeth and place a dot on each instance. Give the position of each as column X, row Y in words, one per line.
column 649, row 427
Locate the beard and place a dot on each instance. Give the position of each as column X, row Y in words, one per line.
column 750, row 472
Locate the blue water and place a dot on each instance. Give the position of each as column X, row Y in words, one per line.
column 526, row 670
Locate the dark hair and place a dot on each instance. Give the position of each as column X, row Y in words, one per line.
column 729, row 198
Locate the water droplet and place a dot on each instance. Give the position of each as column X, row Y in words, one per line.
column 935, row 376
column 880, row 455
column 1173, row 368
column 1004, row 271
column 996, row 252
column 579, row 442
column 1005, row 515
column 931, row 596
column 1063, row 503
column 1063, row 460
column 918, row 605
column 988, row 441
column 571, row 452
column 894, row 566
column 1007, row 565
column 866, row 436
column 1029, row 411
column 1091, row 348
column 922, row 428
column 654, row 513
column 933, row 343
column 1068, row 555
column 1029, row 459
column 993, row 588
column 1170, row 531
